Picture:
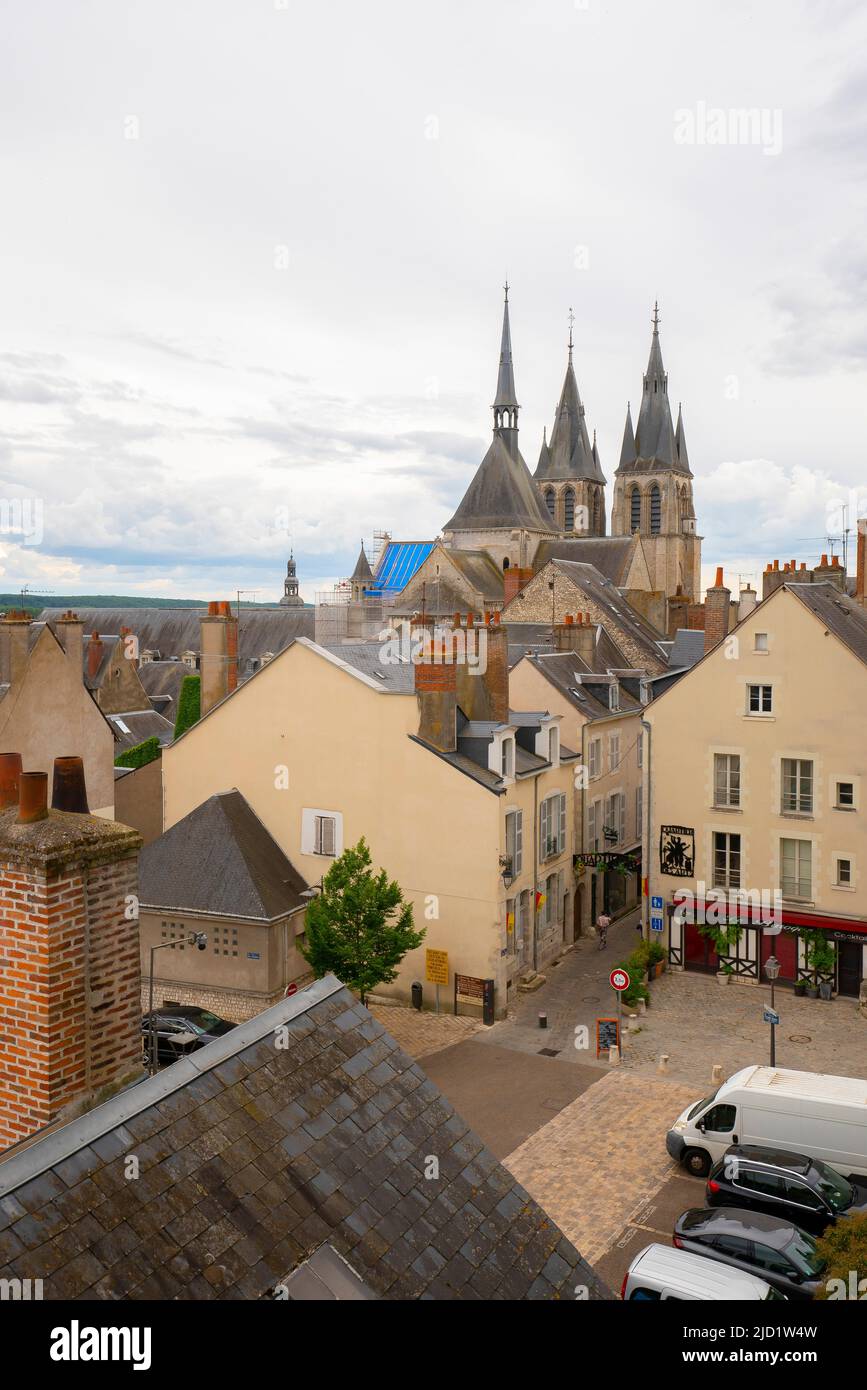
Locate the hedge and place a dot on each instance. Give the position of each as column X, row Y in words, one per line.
column 189, row 704
column 141, row 754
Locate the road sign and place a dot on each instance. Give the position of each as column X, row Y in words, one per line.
column 289, row 991
column 656, row 904
column 619, row 980
column 770, row 1016
column 436, row 964
column 656, row 924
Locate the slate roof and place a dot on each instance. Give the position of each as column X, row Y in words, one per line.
column 162, row 682
column 607, row 596
column 506, row 371
column 367, row 658
column 173, row 631
column 587, row 696
column 132, row 729
column 501, row 495
column 611, row 555
column 840, row 614
column 654, row 444
column 362, row 573
column 687, row 648
column 220, row 859
column 253, row 1157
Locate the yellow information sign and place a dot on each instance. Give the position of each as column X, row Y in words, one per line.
column 437, row 967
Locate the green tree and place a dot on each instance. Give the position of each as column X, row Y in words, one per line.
column 359, row 928
column 844, row 1246
column 189, row 704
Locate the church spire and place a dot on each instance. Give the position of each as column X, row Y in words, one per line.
column 506, row 403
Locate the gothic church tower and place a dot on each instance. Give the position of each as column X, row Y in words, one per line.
column 568, row 475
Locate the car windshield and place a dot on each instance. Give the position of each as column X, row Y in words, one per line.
column 801, row 1250
column 205, row 1022
column 702, row 1105
column 838, row 1193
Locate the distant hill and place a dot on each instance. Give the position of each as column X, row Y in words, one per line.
column 109, row 601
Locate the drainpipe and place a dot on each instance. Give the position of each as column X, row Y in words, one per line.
column 645, row 835
column 584, row 779
column 535, row 866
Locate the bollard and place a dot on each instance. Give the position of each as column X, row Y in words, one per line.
column 543, row 1020
column 614, row 1056
column 642, row 1007
column 633, row 1025
column 663, row 1062
column 716, row 1075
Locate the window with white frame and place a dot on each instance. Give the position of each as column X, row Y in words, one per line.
column 595, row 757
column 552, row 826
column 796, row 868
column 726, row 860
column 593, row 824
column 639, row 813
column 614, row 696
column 552, row 900
column 844, row 873
column 727, row 779
column 845, row 796
column 760, row 699
column 761, row 643
column 321, row 832
column 639, row 750
column 613, row 751
column 615, row 818
column 515, row 840
column 797, row 785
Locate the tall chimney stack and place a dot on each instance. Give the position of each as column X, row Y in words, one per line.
column 14, row 642
column 861, row 571
column 436, row 689
column 70, row 987
column 70, row 635
column 577, row 633
column 95, row 649
column 219, row 662
column 717, row 602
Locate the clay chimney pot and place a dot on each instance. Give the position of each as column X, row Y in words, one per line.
column 32, row 797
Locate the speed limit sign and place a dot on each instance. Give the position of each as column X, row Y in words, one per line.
column 619, row 980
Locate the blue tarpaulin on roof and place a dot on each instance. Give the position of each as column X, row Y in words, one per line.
column 400, row 561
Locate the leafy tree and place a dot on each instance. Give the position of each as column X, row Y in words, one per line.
column 139, row 754
column 189, row 704
column 844, row 1246
column 359, row 928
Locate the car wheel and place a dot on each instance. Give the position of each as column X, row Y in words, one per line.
column 697, row 1162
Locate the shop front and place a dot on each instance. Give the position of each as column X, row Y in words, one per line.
column 743, row 944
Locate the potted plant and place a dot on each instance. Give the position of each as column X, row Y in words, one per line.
column 725, row 972
column 725, row 940
column 820, row 958
column 800, row 989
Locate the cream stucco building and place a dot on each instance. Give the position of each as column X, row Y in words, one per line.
column 757, row 784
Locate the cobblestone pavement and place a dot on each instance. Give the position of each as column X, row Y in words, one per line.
column 603, row 1158
column 420, row 1033
column 692, row 1018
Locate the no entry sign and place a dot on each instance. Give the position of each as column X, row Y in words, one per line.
column 619, row 980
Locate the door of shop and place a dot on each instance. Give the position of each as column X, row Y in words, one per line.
column 785, row 948
column 849, row 968
column 699, row 952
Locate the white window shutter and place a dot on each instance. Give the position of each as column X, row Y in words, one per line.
column 519, row 842
column 562, row 822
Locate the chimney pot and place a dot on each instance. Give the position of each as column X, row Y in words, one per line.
column 496, row 619
column 69, row 791
column 456, row 621
column 568, row 620
column 10, row 775
column 824, row 561
column 32, row 797
column 719, row 578
column 776, row 564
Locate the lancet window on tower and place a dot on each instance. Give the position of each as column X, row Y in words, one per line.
column 655, row 510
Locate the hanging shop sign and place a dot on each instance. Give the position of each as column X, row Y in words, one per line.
column 677, row 851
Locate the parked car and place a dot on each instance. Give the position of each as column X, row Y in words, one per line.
column 803, row 1190
column 825, row 1116
column 658, row 1273
column 180, row 1029
column 768, row 1246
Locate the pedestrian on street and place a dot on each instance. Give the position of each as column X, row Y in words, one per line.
column 603, row 922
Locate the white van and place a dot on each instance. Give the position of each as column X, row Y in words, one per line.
column 801, row 1111
column 660, row 1272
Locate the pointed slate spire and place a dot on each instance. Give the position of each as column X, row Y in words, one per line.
column 506, row 398
column 627, row 449
column 544, row 455
column 362, row 574
column 569, row 455
column 655, row 443
column 680, row 441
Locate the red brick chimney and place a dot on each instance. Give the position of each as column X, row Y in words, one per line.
column 832, row 573
column 219, row 661
column 70, row 987
column 436, row 689
column 14, row 643
column 717, row 602
column 861, row 570
column 772, row 578
column 95, row 649
column 482, row 667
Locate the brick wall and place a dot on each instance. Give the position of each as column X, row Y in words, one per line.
column 69, row 967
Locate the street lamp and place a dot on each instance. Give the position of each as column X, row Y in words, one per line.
column 506, row 873
column 772, row 970
column 196, row 938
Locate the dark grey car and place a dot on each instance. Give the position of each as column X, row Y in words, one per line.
column 774, row 1249
column 803, row 1190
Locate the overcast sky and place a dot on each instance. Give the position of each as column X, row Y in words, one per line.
column 253, row 255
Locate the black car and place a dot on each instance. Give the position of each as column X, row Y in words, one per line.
column 799, row 1189
column 778, row 1252
column 180, row 1029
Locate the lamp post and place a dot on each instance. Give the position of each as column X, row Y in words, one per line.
column 196, row 938
column 772, row 970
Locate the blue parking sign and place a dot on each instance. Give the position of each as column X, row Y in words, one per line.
column 656, row 924
column 656, row 903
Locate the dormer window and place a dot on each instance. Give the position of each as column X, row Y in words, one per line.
column 614, row 696
column 507, row 757
column 554, row 747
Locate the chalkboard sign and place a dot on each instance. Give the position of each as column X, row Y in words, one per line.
column 607, row 1034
